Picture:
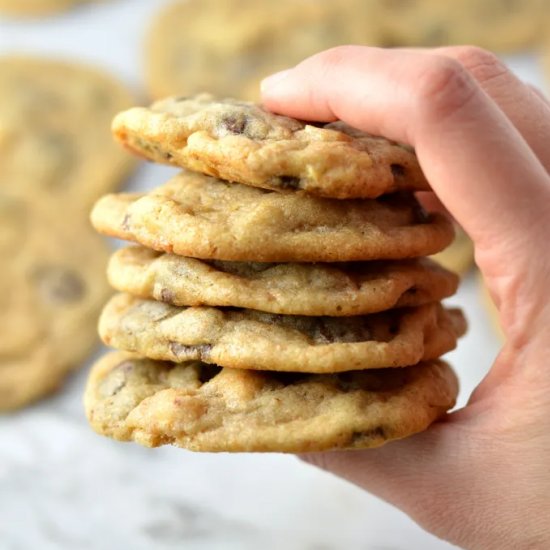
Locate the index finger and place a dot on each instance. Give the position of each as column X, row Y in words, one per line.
column 477, row 162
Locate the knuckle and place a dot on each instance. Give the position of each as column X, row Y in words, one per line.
column 443, row 87
column 482, row 64
column 335, row 56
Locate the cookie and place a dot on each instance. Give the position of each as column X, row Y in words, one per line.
column 52, row 287
column 292, row 289
column 32, row 8
column 202, row 217
column 242, row 142
column 499, row 25
column 55, row 142
column 249, row 339
column 459, row 256
column 207, row 408
column 228, row 46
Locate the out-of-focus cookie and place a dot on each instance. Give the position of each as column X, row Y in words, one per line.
column 203, row 217
column 33, row 8
column 499, row 25
column 240, row 141
column 55, row 142
column 249, row 339
column 204, row 408
column 458, row 257
column 290, row 288
column 228, row 46
column 52, row 287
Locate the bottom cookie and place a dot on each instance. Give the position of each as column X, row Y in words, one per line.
column 207, row 408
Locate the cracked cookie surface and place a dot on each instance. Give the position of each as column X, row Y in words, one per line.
column 242, row 142
column 250, row 339
column 292, row 288
column 203, row 217
column 206, row 408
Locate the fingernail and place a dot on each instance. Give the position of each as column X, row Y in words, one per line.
column 273, row 80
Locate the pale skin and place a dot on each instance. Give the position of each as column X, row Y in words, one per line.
column 481, row 477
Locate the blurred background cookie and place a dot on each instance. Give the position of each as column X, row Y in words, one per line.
column 32, row 8
column 498, row 25
column 55, row 142
column 52, row 285
column 227, row 46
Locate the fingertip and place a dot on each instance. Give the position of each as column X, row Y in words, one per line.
column 270, row 82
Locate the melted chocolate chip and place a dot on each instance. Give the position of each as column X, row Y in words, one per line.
column 58, row 285
column 234, row 124
column 286, row 182
column 167, row 296
column 363, row 436
column 397, row 170
column 126, row 223
column 200, row 352
column 328, row 330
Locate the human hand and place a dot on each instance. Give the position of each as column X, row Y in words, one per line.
column 481, row 477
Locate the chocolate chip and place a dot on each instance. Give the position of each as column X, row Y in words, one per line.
column 167, row 296
column 233, row 124
column 181, row 98
column 198, row 352
column 58, row 285
column 126, row 223
column 359, row 437
column 286, row 182
column 330, row 329
column 397, row 170
column 116, row 380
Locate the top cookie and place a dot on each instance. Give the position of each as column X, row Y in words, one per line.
column 241, row 142
column 55, row 142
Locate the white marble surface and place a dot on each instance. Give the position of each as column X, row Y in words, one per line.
column 63, row 487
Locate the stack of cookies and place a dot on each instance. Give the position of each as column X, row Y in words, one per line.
column 277, row 298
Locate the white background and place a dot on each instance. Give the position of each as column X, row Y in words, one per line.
column 64, row 487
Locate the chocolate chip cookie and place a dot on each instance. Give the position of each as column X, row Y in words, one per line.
column 52, row 287
column 203, row 217
column 293, row 288
column 33, row 8
column 242, row 142
column 499, row 25
column 207, row 408
column 249, row 339
column 228, row 46
column 55, row 142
